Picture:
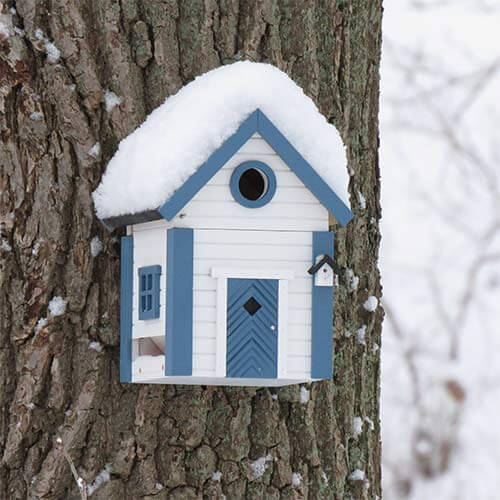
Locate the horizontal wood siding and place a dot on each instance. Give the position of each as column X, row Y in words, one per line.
column 293, row 207
column 252, row 250
column 150, row 248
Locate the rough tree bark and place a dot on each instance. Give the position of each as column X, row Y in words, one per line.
column 59, row 375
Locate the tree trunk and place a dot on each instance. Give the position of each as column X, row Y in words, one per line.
column 59, row 368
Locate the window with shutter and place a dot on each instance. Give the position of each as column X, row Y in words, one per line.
column 149, row 292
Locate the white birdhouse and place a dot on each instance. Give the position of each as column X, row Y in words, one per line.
column 323, row 271
column 216, row 283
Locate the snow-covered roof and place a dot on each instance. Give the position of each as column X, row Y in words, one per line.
column 181, row 134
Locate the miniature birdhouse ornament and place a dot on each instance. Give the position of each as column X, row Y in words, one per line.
column 227, row 192
column 323, row 271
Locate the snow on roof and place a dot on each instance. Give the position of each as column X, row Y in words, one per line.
column 180, row 135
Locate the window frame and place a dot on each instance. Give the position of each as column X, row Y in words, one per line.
column 266, row 171
column 154, row 273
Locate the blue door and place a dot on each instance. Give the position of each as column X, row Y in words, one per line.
column 252, row 328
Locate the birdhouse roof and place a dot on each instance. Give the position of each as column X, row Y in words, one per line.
column 204, row 124
column 326, row 259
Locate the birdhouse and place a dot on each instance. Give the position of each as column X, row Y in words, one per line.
column 227, row 192
column 323, row 271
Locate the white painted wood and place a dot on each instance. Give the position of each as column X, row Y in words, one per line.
column 232, row 209
column 204, row 345
column 155, row 224
column 282, row 328
column 147, row 367
column 204, row 266
column 287, row 194
column 267, row 252
column 324, row 276
column 256, row 145
column 293, row 207
column 299, row 364
column 272, row 242
column 204, row 362
column 262, row 254
column 221, row 343
column 299, row 347
column 150, row 248
column 257, row 238
column 212, row 380
column 276, row 224
column 261, row 274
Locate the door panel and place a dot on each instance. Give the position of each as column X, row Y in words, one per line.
column 252, row 328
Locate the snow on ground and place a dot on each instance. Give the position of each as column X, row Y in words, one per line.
column 177, row 138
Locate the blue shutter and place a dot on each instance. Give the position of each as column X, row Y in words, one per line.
column 149, row 292
column 179, row 325
column 322, row 314
column 127, row 253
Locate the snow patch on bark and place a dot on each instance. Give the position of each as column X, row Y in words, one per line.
column 57, row 306
column 296, row 479
column 304, row 395
column 371, row 303
column 357, row 475
column 95, row 246
column 259, row 466
column 111, row 100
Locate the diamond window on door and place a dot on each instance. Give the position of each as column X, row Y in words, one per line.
column 251, row 306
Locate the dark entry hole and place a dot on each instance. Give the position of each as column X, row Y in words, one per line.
column 252, row 184
column 251, row 306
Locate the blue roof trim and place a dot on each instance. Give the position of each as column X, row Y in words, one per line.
column 258, row 122
column 179, row 199
column 322, row 314
column 126, row 265
column 303, row 170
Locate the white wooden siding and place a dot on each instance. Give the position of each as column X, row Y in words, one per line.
column 253, row 250
column 293, row 207
column 227, row 235
column 150, row 248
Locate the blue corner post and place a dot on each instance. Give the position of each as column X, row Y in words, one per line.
column 126, row 287
column 179, row 324
column 322, row 314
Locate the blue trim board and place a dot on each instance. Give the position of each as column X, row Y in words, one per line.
column 126, row 287
column 179, row 199
column 303, row 170
column 235, row 181
column 179, row 324
column 322, row 314
column 258, row 122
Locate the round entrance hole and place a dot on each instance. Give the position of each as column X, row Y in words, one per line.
column 253, row 184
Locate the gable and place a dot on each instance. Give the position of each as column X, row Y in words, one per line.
column 258, row 122
column 292, row 208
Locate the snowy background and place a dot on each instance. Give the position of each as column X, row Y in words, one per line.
column 440, row 163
